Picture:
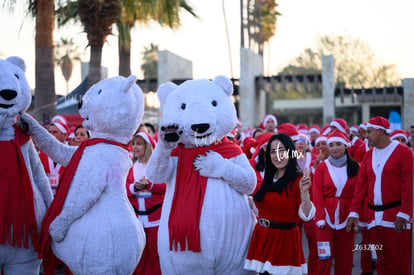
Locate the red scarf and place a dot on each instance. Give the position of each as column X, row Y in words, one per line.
column 189, row 192
column 17, row 214
column 44, row 248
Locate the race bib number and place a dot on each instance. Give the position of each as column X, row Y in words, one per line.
column 324, row 250
column 54, row 181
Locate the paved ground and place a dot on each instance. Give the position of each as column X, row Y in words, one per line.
column 356, row 269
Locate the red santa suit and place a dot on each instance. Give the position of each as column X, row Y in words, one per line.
column 259, row 175
column 147, row 204
column 360, row 151
column 356, row 142
column 332, row 195
column 52, row 170
column 275, row 250
column 386, row 179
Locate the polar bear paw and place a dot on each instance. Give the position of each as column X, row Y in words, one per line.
column 212, row 165
column 58, row 230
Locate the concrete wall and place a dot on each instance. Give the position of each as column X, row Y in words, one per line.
column 408, row 103
column 328, row 88
column 172, row 66
column 252, row 103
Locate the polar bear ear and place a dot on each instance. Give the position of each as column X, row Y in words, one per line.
column 225, row 83
column 129, row 81
column 164, row 90
column 18, row 61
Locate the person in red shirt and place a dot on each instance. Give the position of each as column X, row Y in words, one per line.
column 146, row 199
column 386, row 181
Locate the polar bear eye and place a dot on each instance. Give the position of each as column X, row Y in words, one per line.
column 214, row 103
column 183, row 106
column 17, row 76
column 100, row 91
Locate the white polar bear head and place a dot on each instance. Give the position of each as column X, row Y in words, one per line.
column 113, row 108
column 197, row 112
column 15, row 93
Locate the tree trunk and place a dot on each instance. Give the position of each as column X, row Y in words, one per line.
column 45, row 96
column 95, row 60
column 124, row 50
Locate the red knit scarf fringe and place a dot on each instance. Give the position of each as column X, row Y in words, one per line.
column 17, row 214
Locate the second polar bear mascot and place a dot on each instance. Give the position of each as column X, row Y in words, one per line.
column 92, row 226
column 206, row 222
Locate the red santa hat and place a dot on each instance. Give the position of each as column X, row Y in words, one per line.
column 61, row 126
column 72, row 133
column 354, row 128
column 326, row 129
column 399, row 133
column 339, row 124
column 59, row 118
column 148, row 138
column 260, row 141
column 379, row 122
column 267, row 117
column 248, row 144
column 363, row 126
column 289, row 129
column 302, row 128
column 314, row 129
column 338, row 136
column 321, row 138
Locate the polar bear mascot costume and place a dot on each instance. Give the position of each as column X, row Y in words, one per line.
column 206, row 222
column 92, row 226
column 25, row 192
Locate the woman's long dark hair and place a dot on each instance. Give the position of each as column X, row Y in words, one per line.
column 352, row 166
column 292, row 170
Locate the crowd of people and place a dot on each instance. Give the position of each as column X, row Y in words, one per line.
column 332, row 182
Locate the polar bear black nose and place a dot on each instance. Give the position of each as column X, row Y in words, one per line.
column 8, row 94
column 200, row 128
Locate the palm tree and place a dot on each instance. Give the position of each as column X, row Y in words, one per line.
column 66, row 52
column 165, row 12
column 43, row 10
column 150, row 60
column 97, row 17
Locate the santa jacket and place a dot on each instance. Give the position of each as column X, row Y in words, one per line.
column 332, row 200
column 392, row 181
column 49, row 166
column 157, row 197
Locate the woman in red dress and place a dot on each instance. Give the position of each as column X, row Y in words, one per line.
column 283, row 198
column 146, row 199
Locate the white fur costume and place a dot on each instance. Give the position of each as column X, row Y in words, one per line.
column 12, row 78
column 226, row 220
column 97, row 231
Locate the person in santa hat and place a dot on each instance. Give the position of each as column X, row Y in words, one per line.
column 269, row 124
column 400, row 136
column 257, row 161
column 54, row 170
column 334, row 185
column 356, row 142
column 314, row 132
column 339, row 124
column 146, row 199
column 283, row 199
column 386, row 180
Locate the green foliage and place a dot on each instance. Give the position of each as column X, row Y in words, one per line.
column 150, row 61
column 355, row 63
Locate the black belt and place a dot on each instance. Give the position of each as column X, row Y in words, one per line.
column 385, row 206
column 278, row 225
column 149, row 211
